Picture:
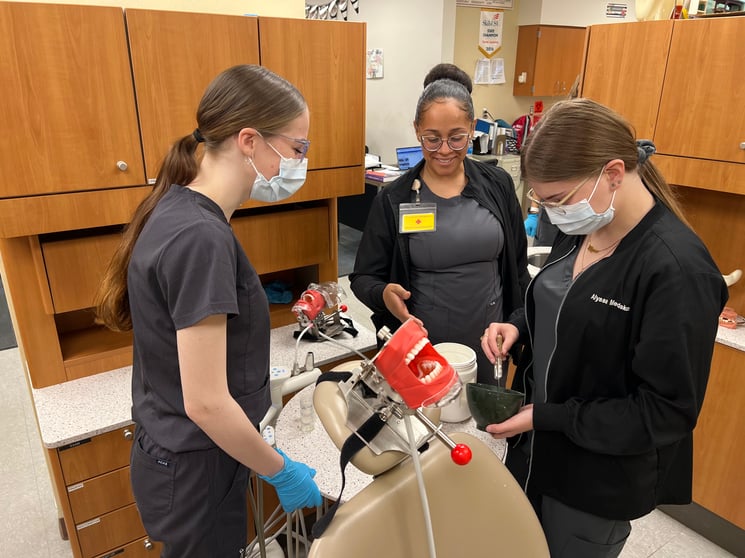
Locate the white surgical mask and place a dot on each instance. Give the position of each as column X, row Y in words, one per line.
column 291, row 177
column 580, row 218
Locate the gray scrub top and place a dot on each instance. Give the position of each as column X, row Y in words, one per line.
column 550, row 287
column 456, row 289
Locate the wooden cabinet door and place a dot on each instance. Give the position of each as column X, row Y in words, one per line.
column 550, row 57
column 702, row 101
column 625, row 69
column 325, row 60
column 174, row 57
column 68, row 108
column 558, row 60
column 718, row 461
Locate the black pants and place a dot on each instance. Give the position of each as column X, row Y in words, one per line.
column 570, row 533
column 192, row 502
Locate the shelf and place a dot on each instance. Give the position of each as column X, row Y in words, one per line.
column 93, row 350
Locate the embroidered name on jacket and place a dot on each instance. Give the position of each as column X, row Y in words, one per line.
column 611, row 302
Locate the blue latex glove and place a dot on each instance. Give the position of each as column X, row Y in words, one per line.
column 531, row 224
column 295, row 485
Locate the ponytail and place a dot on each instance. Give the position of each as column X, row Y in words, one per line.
column 112, row 301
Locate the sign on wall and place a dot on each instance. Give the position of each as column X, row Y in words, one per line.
column 490, row 32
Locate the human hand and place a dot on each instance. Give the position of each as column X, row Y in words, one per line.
column 531, row 224
column 491, row 346
column 295, row 485
column 394, row 296
column 516, row 424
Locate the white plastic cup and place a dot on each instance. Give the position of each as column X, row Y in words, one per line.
column 463, row 360
column 307, row 412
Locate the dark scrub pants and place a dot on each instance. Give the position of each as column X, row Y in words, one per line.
column 193, row 502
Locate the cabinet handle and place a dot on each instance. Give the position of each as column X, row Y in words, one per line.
column 122, row 165
column 148, row 545
column 742, row 145
column 128, row 434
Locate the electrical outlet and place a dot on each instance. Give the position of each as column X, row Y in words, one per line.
column 484, row 113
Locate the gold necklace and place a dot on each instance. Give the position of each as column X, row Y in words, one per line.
column 593, row 250
column 588, row 247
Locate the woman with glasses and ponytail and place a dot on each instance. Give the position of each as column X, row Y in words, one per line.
column 182, row 283
column 445, row 243
column 621, row 322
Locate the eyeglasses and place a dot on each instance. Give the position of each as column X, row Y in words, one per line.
column 542, row 203
column 304, row 144
column 457, row 142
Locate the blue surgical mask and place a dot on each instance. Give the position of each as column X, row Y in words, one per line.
column 291, row 177
column 580, row 218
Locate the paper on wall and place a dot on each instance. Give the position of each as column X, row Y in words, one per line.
column 489, row 71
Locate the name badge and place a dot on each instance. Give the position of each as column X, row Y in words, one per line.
column 417, row 217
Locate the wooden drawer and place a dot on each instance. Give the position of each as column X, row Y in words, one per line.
column 142, row 548
column 97, row 455
column 75, row 267
column 109, row 531
column 285, row 240
column 99, row 495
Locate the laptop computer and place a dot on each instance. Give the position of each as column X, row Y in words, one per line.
column 408, row 157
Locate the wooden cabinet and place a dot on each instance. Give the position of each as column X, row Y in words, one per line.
column 701, row 102
column 718, row 482
column 96, row 497
column 68, row 109
column 100, row 84
column 174, row 58
column 677, row 82
column 324, row 59
column 549, row 58
column 634, row 54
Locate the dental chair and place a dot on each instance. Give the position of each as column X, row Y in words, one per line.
column 476, row 509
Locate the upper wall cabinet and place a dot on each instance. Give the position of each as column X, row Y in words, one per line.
column 634, row 54
column 174, row 57
column 324, row 60
column 549, row 60
column 67, row 109
column 702, row 101
column 679, row 83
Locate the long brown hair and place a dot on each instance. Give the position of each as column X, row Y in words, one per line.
column 240, row 97
column 576, row 137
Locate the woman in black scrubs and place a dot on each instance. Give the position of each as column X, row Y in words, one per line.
column 465, row 265
column 621, row 320
column 200, row 318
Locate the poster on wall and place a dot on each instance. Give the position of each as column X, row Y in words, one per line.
column 374, row 63
column 490, row 32
column 501, row 4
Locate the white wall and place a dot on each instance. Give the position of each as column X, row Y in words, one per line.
column 414, row 35
column 576, row 13
column 497, row 98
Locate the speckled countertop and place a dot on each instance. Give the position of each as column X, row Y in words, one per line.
column 76, row 410
column 734, row 338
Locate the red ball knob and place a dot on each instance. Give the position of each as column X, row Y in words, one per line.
column 343, row 308
column 461, row 454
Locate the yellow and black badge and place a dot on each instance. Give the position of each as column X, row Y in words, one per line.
column 417, row 216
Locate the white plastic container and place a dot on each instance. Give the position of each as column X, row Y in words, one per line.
column 463, row 361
